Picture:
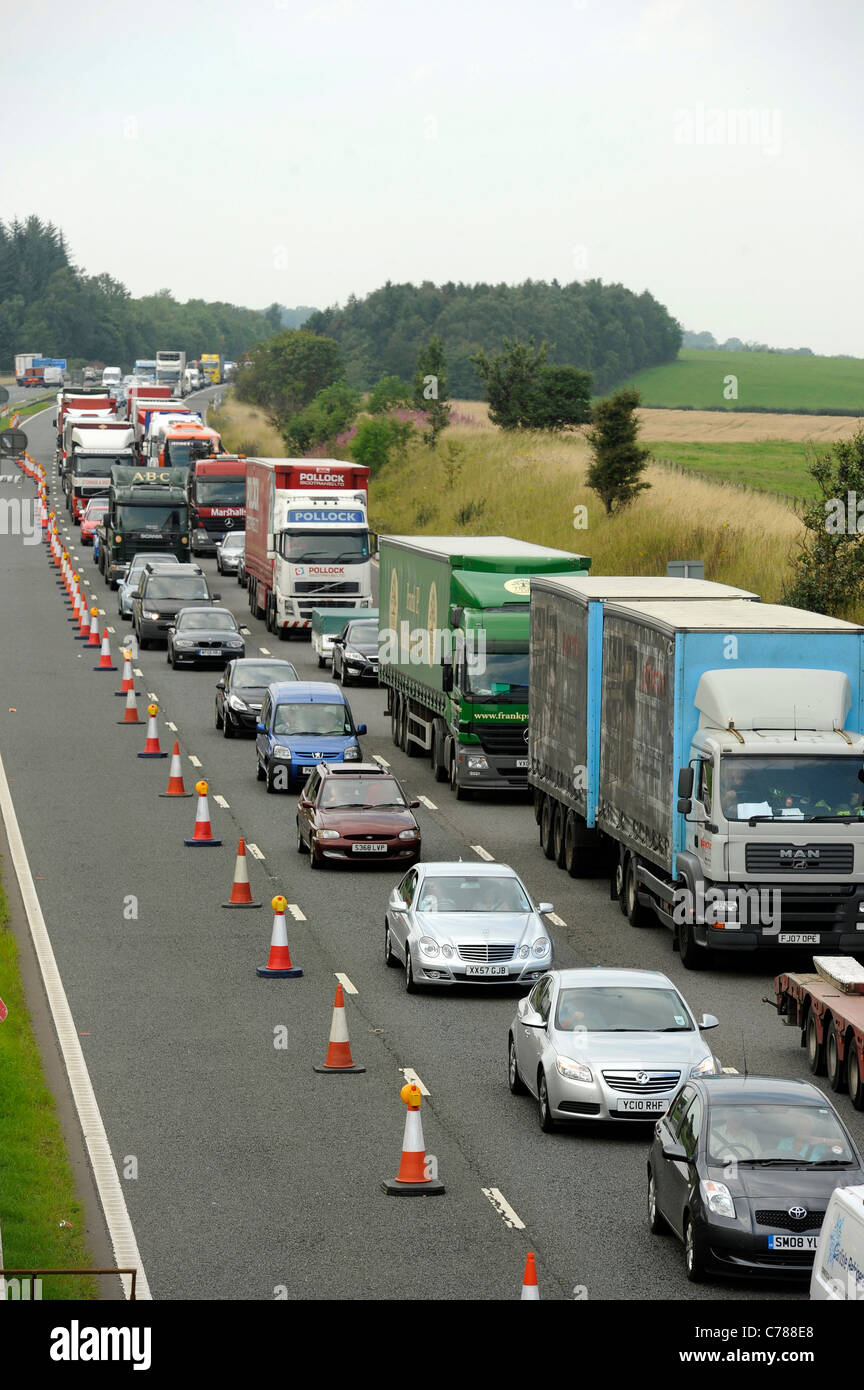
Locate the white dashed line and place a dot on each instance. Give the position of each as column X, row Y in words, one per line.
column 345, row 983
column 265, row 651
column 169, row 725
column 196, row 762
column 220, row 801
column 151, row 695
column 484, row 853
column 253, row 849
column 101, row 612
column 553, row 917
column 138, row 671
column 411, row 1077
column 430, row 805
column 504, row 1209
column 108, row 629
column 296, row 912
column 730, row 1071
column 376, row 758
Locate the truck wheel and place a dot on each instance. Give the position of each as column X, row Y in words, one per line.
column 559, row 822
column 637, row 914
column 693, row 957
column 578, row 840
column 439, row 767
column 815, row 1048
column 395, row 705
column 855, row 1075
column 547, row 827
column 834, row 1068
column 462, row 793
column 538, row 803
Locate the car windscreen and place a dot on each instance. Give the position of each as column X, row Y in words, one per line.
column 318, row 720
column 776, row 1134
column 363, row 634
column 343, row 793
column 209, row 619
column 472, row 894
column 176, row 586
column 235, row 541
column 260, row 674
column 622, row 1009
column 97, row 506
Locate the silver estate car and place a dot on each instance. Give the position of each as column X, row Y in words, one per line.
column 598, row 1044
column 451, row 924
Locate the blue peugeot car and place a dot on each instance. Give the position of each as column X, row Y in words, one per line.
column 303, row 723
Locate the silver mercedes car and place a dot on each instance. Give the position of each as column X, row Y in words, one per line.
column 597, row 1044
column 451, row 924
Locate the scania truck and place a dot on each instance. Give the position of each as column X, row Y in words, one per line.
column 147, row 510
column 453, row 652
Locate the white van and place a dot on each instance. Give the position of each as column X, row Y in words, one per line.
column 838, row 1269
column 112, row 376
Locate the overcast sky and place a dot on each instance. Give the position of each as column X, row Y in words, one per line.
column 709, row 151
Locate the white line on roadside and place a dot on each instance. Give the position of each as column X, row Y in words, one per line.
column 169, row 725
column 138, row 671
column 253, row 849
column 504, row 1209
column 151, row 695
column 196, row 762
column 376, row 758
column 345, row 982
column 220, row 801
column 430, row 805
column 108, row 629
column 101, row 612
column 731, row 1071
column 484, row 853
column 412, row 1078
column 265, row 651
column 101, row 1161
column 553, row 917
column 297, row 913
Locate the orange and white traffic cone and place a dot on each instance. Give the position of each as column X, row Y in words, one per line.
column 339, row 1049
column 203, row 836
column 133, row 647
column 175, row 775
column 530, row 1287
column 77, row 600
column 127, row 683
column 413, row 1178
column 151, row 747
column 241, row 893
column 83, row 635
column 279, row 962
column 130, row 714
column 105, row 662
column 94, row 639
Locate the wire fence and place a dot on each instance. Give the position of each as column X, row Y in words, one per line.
column 791, row 500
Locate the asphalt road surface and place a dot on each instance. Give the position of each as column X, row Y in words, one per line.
column 254, row 1173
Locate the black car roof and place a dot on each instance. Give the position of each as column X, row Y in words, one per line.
column 761, row 1088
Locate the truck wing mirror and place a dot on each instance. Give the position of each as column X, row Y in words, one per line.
column 685, row 782
column 446, row 676
column 685, row 805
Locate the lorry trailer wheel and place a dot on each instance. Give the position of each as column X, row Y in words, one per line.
column 394, row 719
column 815, row 1048
column 538, row 803
column 559, row 823
column 855, row 1075
column 835, row 1069
column 547, row 828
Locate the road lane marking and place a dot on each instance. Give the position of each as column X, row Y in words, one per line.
column 169, row 725
column 108, row 629
column 196, row 762
column 151, row 695
column 253, row 849
column 105, row 1173
column 138, row 671
column 430, row 805
column 504, row 1209
column 220, row 801
column 413, row 1079
column 553, row 917
column 484, row 853
column 265, row 651
column 731, row 1071
column 345, row 983
column 376, row 758
column 296, row 912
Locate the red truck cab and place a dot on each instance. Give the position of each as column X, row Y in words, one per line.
column 217, row 500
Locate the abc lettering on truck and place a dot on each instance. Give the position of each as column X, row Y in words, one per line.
column 307, row 539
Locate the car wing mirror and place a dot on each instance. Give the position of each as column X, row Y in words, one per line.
column 529, row 1016
column 413, row 805
column 399, row 903
column 361, row 728
column 260, row 727
column 676, row 1152
column 217, row 597
column 546, row 907
column 220, row 685
column 709, row 1021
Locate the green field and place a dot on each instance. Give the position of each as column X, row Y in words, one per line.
column 774, row 465
column 766, row 380
column 37, row 1187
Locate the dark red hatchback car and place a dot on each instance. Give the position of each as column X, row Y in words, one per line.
column 356, row 813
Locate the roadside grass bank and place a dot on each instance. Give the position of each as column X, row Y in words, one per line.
column 773, row 465
column 244, row 429
column 37, row 1187
column 22, row 410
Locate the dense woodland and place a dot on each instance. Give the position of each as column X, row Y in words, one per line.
column 48, row 305
column 604, row 329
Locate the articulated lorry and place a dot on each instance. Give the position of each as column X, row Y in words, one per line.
column 94, row 449
column 217, row 495
column 147, row 510
column 170, row 366
column 453, row 652
column 211, row 368
column 715, row 766
column 307, row 540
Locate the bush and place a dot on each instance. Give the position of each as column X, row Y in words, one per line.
column 525, row 393
column 377, row 438
column 614, row 472
column 390, row 391
column 328, row 415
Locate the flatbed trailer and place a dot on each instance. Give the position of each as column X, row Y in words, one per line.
column 828, row 1007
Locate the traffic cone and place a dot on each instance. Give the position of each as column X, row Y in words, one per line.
column 130, row 714
column 203, row 837
column 84, row 622
column 241, row 893
column 151, row 747
column 279, row 962
column 175, row 776
column 127, row 683
column 133, row 647
column 413, row 1179
column 94, row 640
column 530, row 1287
column 105, row 663
column 339, row 1050
column 76, row 601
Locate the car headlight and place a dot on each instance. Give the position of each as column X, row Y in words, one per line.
column 352, row 655
column 476, row 764
column 428, row 946
column 447, row 952
column 352, row 754
column 154, row 617
column 235, row 702
column 280, row 752
column 717, row 1197
column 408, row 834
column 574, row 1071
column 524, row 952
column 705, row 1068
column 541, row 946
column 321, row 834
column 183, row 642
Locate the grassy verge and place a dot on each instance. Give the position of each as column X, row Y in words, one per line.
column 774, row 465
column 768, row 380
column 37, row 1187
column 22, row 410
column 244, row 429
